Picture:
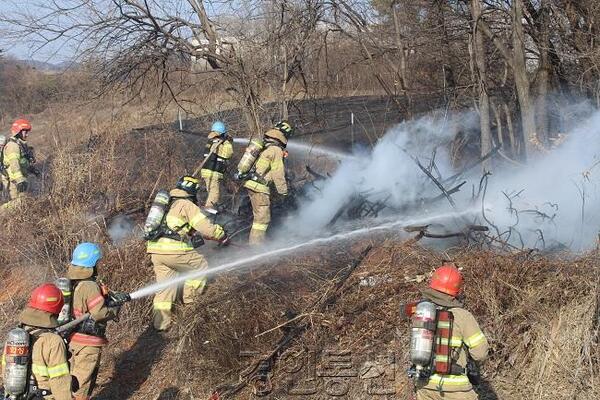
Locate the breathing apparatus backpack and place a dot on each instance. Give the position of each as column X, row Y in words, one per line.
column 248, row 160
column 157, row 215
column 65, row 286
column 19, row 382
column 213, row 161
column 431, row 336
column 156, row 227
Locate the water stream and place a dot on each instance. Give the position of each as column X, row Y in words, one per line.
column 269, row 254
column 310, row 149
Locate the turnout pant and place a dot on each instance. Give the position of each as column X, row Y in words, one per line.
column 213, row 188
column 10, row 189
column 85, row 364
column 261, row 209
column 168, row 266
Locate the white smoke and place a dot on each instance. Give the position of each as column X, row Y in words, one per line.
column 387, row 172
column 121, row 228
column 555, row 198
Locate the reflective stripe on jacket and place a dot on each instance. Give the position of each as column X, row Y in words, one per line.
column 49, row 365
column 269, row 166
column 221, row 150
column 466, row 336
column 184, row 217
column 88, row 298
column 15, row 163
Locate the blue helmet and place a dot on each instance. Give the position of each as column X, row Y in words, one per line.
column 219, row 127
column 86, row 255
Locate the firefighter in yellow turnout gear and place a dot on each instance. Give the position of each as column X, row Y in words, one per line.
column 467, row 340
column 218, row 151
column 48, row 351
column 268, row 169
column 86, row 343
column 17, row 162
column 175, row 250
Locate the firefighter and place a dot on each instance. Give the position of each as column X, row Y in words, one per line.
column 269, row 168
column 86, row 343
column 175, row 249
column 17, row 162
column 49, row 365
column 467, row 340
column 218, row 151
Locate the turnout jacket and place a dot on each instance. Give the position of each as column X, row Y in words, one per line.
column 184, row 217
column 467, row 339
column 15, row 162
column 222, row 151
column 269, row 167
column 50, row 367
column 49, row 361
column 89, row 298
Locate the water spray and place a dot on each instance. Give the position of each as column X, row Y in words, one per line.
column 147, row 291
column 310, row 149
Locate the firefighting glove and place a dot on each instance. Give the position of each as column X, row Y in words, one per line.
column 117, row 299
column 21, row 187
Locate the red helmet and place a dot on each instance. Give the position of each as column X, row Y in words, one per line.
column 20, row 125
column 47, row 297
column 446, row 279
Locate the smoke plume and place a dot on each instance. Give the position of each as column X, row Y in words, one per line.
column 551, row 201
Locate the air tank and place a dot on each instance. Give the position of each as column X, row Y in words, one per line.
column 17, row 357
column 422, row 334
column 157, row 212
column 250, row 155
column 64, row 284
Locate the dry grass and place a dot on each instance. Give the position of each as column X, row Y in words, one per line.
column 539, row 313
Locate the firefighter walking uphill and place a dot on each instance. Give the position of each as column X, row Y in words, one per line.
column 88, row 296
column 174, row 229
column 16, row 162
column 34, row 361
column 446, row 341
column 262, row 165
column 216, row 155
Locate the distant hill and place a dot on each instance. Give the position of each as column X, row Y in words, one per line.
column 48, row 67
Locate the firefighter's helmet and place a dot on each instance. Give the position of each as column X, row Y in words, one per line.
column 285, row 127
column 189, row 184
column 86, row 255
column 48, row 298
column 20, row 125
column 446, row 279
column 219, row 127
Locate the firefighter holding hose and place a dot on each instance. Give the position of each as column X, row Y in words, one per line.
column 217, row 153
column 175, row 228
column 35, row 350
column 446, row 341
column 89, row 297
column 262, row 165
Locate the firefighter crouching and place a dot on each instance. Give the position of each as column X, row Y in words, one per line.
column 445, row 338
column 218, row 151
column 86, row 342
column 34, row 362
column 175, row 228
column 268, row 168
column 17, row 162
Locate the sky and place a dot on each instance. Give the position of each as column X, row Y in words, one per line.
column 62, row 50
column 26, row 49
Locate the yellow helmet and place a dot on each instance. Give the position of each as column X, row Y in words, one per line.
column 189, row 184
column 285, row 127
